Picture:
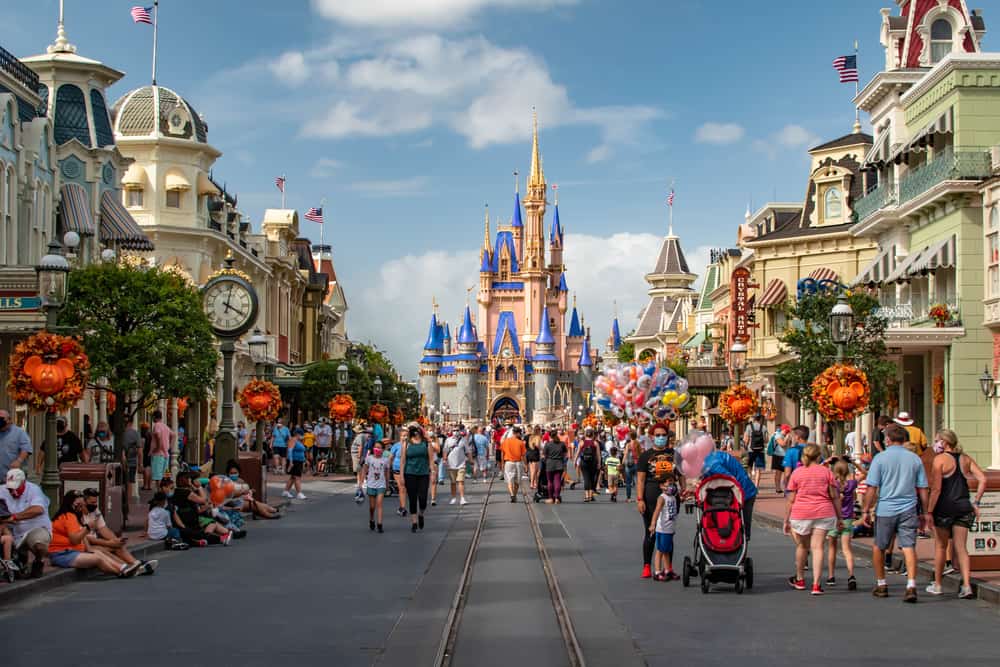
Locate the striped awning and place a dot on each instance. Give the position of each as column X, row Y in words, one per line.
column 938, row 255
column 823, row 273
column 879, row 269
column 878, row 154
column 776, row 292
column 118, row 228
column 75, row 210
column 943, row 124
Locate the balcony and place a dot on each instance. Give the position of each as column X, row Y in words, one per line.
column 18, row 71
column 911, row 314
column 876, row 198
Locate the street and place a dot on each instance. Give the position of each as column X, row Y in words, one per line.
column 319, row 587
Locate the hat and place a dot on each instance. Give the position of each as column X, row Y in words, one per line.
column 15, row 478
column 904, row 419
column 785, row 428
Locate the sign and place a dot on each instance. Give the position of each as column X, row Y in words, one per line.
column 984, row 536
column 20, row 302
column 739, row 298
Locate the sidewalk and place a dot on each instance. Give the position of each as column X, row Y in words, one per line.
column 769, row 510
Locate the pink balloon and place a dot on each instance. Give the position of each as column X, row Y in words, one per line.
column 704, row 445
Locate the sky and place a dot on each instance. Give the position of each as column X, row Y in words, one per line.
column 409, row 116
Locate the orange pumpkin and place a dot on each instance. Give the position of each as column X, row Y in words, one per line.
column 48, row 379
column 846, row 398
column 259, row 401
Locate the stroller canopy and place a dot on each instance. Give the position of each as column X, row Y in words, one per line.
column 718, row 482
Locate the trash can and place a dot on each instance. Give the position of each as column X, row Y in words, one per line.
column 253, row 473
column 108, row 479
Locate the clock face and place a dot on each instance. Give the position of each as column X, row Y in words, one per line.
column 231, row 305
column 506, row 353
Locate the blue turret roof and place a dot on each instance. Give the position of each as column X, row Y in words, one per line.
column 585, row 359
column 435, row 335
column 484, row 266
column 506, row 323
column 466, row 333
column 545, row 333
column 575, row 330
column 556, row 234
column 562, row 283
column 516, row 220
column 616, row 336
column 505, row 239
column 447, row 332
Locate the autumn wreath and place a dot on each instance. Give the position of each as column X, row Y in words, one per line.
column 378, row 413
column 342, row 408
column 737, row 404
column 48, row 367
column 591, row 421
column 841, row 392
column 398, row 417
column 260, row 400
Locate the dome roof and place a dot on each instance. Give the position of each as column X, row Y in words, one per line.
column 155, row 111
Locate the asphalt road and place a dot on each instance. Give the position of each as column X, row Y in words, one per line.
column 317, row 587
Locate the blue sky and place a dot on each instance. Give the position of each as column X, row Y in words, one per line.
column 409, row 115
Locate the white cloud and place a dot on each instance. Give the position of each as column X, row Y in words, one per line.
column 431, row 13
column 719, row 133
column 325, row 167
column 390, row 188
column 291, row 68
column 345, row 119
column 789, row 137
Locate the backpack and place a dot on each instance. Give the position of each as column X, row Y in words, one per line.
column 756, row 438
column 588, row 454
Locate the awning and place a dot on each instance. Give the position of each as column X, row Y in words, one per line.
column 776, row 292
column 134, row 178
column 878, row 154
column 938, row 255
column 206, row 186
column 901, row 273
column 707, row 377
column 943, row 124
column 176, row 181
column 823, row 273
column 75, row 210
column 118, row 227
column 695, row 341
column 879, row 268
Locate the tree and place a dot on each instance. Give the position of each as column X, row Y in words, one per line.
column 145, row 333
column 626, row 352
column 319, row 385
column 813, row 348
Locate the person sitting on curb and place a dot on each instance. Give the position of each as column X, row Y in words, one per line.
column 102, row 539
column 27, row 528
column 188, row 507
column 69, row 548
column 257, row 508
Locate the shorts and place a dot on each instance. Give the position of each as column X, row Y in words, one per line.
column 807, row 526
column 848, row 529
column 34, row 540
column 281, row 452
column 457, row 476
column 356, row 461
column 158, row 466
column 966, row 521
column 512, row 471
column 665, row 543
column 296, row 469
column 376, row 492
column 613, row 479
column 64, row 558
column 777, row 462
column 755, row 460
column 901, row 526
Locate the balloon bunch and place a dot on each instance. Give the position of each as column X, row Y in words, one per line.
column 693, row 454
column 634, row 391
column 221, row 489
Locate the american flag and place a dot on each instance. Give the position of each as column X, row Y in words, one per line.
column 848, row 68
column 315, row 215
column 670, row 198
column 141, row 15
column 280, row 183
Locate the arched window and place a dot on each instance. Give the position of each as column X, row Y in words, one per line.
column 71, row 116
column 832, row 205
column 102, row 125
column 940, row 39
column 995, row 217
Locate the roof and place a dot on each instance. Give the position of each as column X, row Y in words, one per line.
column 562, row 283
column 466, row 333
column 447, row 331
column 585, row 358
column 708, row 286
column 556, row 233
column 506, row 324
column 671, row 259
column 435, row 340
column 515, row 221
column 545, row 332
column 505, row 239
column 616, row 335
column 695, row 341
column 147, row 111
column 575, row 330
column 898, row 22
column 852, row 139
column 651, row 320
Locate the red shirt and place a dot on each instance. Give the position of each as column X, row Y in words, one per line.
column 812, row 492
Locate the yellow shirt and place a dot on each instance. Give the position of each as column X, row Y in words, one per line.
column 308, row 440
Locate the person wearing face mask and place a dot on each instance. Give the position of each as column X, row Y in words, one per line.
column 102, row 445
column 415, row 463
column 247, row 502
column 101, row 539
column 15, row 445
column 69, row 542
column 654, row 467
column 376, row 470
column 26, row 528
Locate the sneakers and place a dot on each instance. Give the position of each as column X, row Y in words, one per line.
column 880, row 591
column 453, row 501
column 948, row 568
column 934, row 589
column 852, row 583
column 201, row 543
column 287, row 494
column 371, row 525
column 672, row 576
column 227, row 539
column 131, row 569
column 463, row 501
column 380, row 528
column 965, row 593
column 660, row 576
column 420, row 521
column 797, row 584
column 513, row 499
column 149, row 567
column 413, row 528
column 647, row 572
column 816, row 590
column 434, row 503
column 910, row 595
column 831, row 581
column 300, row 496
column 11, row 565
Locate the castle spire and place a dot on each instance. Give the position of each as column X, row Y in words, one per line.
column 537, row 175
column 486, row 234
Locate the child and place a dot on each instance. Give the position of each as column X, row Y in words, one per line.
column 297, row 458
column 662, row 525
column 376, row 470
column 613, row 465
column 848, row 488
column 159, row 525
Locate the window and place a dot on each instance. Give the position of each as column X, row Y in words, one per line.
column 994, row 248
column 71, row 116
column 994, row 281
column 173, row 198
column 995, row 217
column 940, row 39
column 832, row 205
column 133, row 198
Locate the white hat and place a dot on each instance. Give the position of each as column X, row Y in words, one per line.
column 904, row 419
column 15, row 478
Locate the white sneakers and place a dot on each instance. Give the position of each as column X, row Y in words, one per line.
column 286, row 494
column 933, row 589
column 300, row 496
column 289, row 494
column 453, row 501
column 464, row 502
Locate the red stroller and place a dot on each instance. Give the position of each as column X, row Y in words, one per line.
column 720, row 545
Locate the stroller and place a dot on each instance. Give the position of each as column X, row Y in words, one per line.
column 542, row 488
column 720, row 545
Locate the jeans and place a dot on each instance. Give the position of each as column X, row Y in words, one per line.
column 442, row 473
column 630, row 471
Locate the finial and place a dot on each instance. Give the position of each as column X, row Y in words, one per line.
column 574, row 299
column 537, row 175
column 555, row 190
column 516, row 184
column 486, row 236
column 61, row 44
column 434, row 305
column 857, row 126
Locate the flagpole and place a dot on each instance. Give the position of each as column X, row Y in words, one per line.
column 322, row 207
column 857, row 89
column 284, row 184
column 156, row 11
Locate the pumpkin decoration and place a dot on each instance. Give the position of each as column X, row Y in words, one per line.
column 591, row 421
column 378, row 413
column 841, row 392
column 48, row 372
column 342, row 408
column 260, row 400
column 398, row 417
column 182, row 406
column 737, row 404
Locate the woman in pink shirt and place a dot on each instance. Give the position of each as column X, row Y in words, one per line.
column 811, row 513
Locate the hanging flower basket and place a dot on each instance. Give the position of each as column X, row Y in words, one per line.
column 737, row 404
column 260, row 400
column 398, row 417
column 48, row 372
column 378, row 413
column 342, row 408
column 841, row 392
column 940, row 314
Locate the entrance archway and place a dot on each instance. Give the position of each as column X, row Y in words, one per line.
column 506, row 409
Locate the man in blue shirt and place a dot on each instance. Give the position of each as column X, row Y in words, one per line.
column 279, row 445
column 482, row 450
column 897, row 477
column 396, row 453
column 793, row 454
column 723, row 463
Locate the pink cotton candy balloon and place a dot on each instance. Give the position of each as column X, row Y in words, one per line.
column 704, row 445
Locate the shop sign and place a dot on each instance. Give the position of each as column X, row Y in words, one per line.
column 15, row 301
column 984, row 536
column 739, row 286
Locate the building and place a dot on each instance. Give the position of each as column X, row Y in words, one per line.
column 991, row 301
column 934, row 111
column 515, row 358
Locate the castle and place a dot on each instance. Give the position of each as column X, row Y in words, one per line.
column 515, row 358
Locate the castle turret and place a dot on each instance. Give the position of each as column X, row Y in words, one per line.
column 430, row 364
column 517, row 225
column 556, row 248
column 615, row 339
column 447, row 339
column 534, row 207
column 585, row 374
column 546, row 369
column 466, row 362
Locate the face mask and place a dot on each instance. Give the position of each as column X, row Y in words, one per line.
column 377, row 452
column 19, row 491
column 102, row 434
column 234, row 477
column 91, row 508
column 170, row 494
column 938, row 446
column 3, row 422
column 660, row 440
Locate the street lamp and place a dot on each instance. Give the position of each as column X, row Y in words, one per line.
column 841, row 327
column 52, row 271
column 258, row 352
column 987, row 384
column 378, row 387
column 738, row 359
column 342, row 377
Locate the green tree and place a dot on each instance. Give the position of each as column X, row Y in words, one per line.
column 319, row 385
column 145, row 333
column 813, row 349
column 626, row 352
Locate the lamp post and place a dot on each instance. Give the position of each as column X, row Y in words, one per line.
column 342, row 376
column 52, row 271
column 841, row 327
column 738, row 364
column 258, row 352
column 987, row 384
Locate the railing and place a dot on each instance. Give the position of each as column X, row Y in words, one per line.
column 879, row 197
column 909, row 314
column 18, row 70
column 950, row 165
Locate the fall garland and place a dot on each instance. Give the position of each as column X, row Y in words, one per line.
column 841, row 392
column 46, row 359
column 342, row 408
column 737, row 404
column 260, row 400
column 378, row 413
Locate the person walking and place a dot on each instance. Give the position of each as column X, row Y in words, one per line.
column 324, row 443
column 555, row 455
column 457, row 459
column 662, row 528
column 793, row 453
column 533, row 456
column 297, row 459
column 514, row 451
column 812, row 511
column 280, row 435
column 755, row 441
column 655, row 466
column 396, row 452
column 898, row 479
column 588, row 462
column 482, row 444
column 847, row 486
column 417, row 455
column 612, row 466
column 376, row 470
column 954, row 514
column 776, row 452
column 159, row 448
column 359, row 452
column 630, row 458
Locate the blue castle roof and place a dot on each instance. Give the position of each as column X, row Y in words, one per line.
column 562, row 283
column 435, row 336
column 616, row 336
column 447, row 332
column 466, row 333
column 484, row 267
column 506, row 323
column 504, row 239
column 545, row 333
column 575, row 330
column 516, row 220
column 556, row 234
column 585, row 359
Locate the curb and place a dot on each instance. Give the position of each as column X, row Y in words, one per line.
column 985, row 591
